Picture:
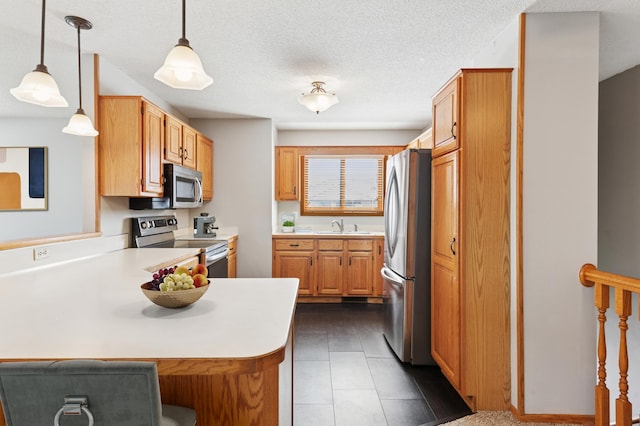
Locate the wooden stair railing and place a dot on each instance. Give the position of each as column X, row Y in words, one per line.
column 623, row 287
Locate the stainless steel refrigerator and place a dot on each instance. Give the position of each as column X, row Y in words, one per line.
column 407, row 257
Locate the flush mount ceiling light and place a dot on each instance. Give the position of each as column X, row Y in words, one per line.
column 318, row 99
column 182, row 69
column 38, row 87
column 79, row 124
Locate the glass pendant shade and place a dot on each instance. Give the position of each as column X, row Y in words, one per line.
column 318, row 100
column 80, row 125
column 182, row 69
column 38, row 87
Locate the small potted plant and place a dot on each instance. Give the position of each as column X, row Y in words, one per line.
column 287, row 226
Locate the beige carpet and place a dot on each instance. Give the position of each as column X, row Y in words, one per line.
column 494, row 418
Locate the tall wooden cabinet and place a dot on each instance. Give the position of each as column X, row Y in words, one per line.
column 470, row 235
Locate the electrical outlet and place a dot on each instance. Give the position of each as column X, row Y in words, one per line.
column 40, row 253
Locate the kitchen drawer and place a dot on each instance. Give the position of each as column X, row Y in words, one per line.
column 360, row 245
column 331, row 244
column 293, row 244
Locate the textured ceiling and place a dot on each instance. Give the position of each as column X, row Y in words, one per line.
column 383, row 58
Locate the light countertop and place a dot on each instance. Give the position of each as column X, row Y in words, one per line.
column 94, row 308
column 223, row 233
column 328, row 234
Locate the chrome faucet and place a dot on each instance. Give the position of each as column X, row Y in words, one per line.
column 340, row 224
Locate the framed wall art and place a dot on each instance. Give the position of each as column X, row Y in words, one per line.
column 23, row 178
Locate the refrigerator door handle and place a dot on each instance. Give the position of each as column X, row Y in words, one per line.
column 391, row 278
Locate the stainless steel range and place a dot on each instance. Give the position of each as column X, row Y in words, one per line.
column 157, row 232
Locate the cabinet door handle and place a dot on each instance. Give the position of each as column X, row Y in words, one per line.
column 180, row 152
column 340, row 260
column 186, row 154
column 294, row 190
column 311, row 260
column 453, row 126
column 294, row 245
column 453, row 240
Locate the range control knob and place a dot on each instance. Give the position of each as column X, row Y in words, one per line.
column 143, row 225
column 172, row 221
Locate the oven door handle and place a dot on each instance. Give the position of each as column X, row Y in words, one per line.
column 215, row 257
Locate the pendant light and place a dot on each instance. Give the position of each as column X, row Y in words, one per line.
column 79, row 124
column 182, row 69
column 38, row 87
column 318, row 99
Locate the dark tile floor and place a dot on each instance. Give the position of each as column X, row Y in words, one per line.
column 345, row 374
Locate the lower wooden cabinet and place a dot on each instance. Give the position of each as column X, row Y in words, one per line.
column 330, row 260
column 329, row 266
column 359, row 268
column 378, row 255
column 232, row 258
column 293, row 258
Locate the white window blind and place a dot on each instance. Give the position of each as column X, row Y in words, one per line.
column 343, row 184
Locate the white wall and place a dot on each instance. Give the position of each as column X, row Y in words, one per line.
column 619, row 211
column 560, row 206
column 339, row 138
column 242, row 187
column 65, row 192
column 70, row 160
column 115, row 82
column 560, row 210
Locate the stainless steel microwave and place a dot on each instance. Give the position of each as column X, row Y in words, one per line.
column 182, row 190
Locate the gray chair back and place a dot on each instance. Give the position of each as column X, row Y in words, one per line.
column 120, row 393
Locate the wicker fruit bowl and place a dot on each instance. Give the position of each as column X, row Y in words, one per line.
column 174, row 299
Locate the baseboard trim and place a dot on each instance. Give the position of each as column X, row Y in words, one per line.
column 583, row 419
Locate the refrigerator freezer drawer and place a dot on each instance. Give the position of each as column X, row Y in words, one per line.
column 397, row 330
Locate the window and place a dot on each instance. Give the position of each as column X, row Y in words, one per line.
column 342, row 185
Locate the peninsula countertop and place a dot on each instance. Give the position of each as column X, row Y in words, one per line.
column 94, row 308
column 234, row 345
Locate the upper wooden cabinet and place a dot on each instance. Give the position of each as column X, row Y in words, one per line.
column 287, row 180
column 130, row 147
column 204, row 164
column 424, row 141
column 445, row 118
column 180, row 143
column 470, row 275
column 136, row 137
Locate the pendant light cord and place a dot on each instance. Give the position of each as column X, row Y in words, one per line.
column 42, row 34
column 184, row 19
column 79, row 72
column 183, row 40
